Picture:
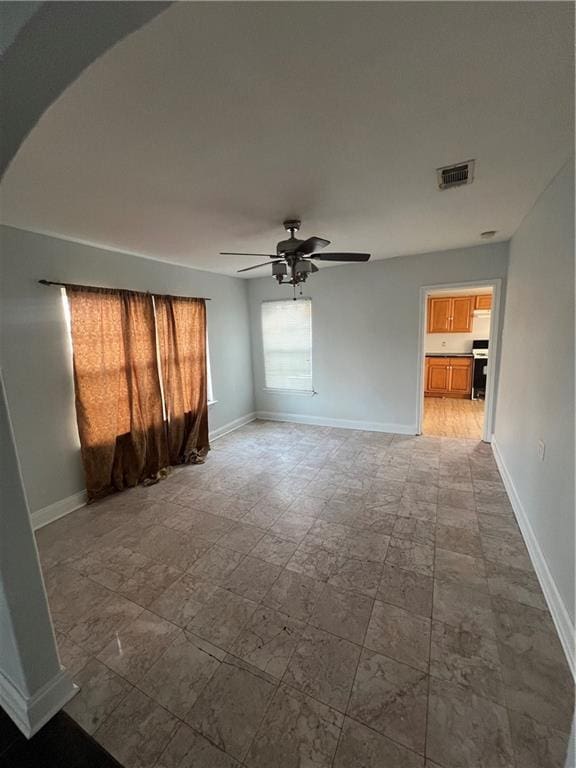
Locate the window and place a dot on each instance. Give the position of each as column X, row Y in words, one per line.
column 287, row 343
column 210, row 388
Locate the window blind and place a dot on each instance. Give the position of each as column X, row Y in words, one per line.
column 287, row 343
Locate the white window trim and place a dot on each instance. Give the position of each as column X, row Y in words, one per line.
column 301, row 392
column 209, row 384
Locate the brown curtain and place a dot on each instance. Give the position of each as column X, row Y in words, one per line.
column 181, row 326
column 117, row 384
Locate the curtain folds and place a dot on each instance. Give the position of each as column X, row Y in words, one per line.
column 140, row 382
column 181, row 329
column 117, row 386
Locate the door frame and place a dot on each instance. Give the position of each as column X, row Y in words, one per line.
column 493, row 358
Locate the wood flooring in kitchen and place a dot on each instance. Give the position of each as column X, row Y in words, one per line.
column 453, row 417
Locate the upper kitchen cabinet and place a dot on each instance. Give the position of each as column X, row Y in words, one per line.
column 450, row 314
column 439, row 314
column 462, row 314
column 484, row 301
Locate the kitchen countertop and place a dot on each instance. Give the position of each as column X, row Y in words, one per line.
column 449, row 354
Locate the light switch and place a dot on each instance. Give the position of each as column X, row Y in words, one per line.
column 541, row 449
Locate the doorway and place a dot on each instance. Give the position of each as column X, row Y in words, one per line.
column 458, row 354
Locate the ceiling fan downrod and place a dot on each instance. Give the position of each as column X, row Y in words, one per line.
column 292, row 225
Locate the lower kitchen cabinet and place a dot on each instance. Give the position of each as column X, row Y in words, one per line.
column 448, row 377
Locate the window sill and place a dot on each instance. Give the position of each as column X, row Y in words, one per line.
column 301, row 392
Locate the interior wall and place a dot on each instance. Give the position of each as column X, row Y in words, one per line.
column 365, row 327
column 35, row 352
column 536, row 389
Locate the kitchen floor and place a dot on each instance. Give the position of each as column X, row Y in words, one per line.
column 311, row 597
column 453, row 417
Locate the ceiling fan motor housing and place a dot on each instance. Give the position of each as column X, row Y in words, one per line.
column 288, row 246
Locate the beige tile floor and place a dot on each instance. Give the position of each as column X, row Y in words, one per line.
column 453, row 417
column 311, row 597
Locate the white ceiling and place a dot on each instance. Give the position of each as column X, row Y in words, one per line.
column 208, row 127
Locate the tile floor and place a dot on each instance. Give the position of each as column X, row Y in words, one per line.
column 453, row 417
column 311, row 597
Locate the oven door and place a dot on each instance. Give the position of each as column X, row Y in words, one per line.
column 479, row 380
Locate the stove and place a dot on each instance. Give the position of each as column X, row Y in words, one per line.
column 480, row 355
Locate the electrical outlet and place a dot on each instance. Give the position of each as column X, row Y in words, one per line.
column 541, row 449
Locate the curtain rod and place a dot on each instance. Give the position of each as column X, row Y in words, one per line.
column 74, row 285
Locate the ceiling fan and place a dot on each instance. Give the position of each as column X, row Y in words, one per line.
column 293, row 260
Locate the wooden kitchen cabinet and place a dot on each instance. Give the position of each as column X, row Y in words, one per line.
column 437, row 375
column 450, row 314
column 448, row 377
column 439, row 314
column 462, row 314
column 484, row 301
column 460, row 382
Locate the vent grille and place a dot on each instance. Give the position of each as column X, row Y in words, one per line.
column 455, row 175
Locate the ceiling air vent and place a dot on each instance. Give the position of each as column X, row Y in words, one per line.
column 455, row 175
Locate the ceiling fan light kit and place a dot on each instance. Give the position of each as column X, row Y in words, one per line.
column 279, row 268
column 292, row 263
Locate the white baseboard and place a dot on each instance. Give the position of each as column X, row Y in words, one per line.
column 323, row 421
column 31, row 713
column 232, row 425
column 59, row 509
column 554, row 600
column 53, row 512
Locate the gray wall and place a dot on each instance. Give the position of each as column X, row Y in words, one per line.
column 35, row 354
column 365, row 326
column 536, row 392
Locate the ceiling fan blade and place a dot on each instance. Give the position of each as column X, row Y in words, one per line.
column 311, row 245
column 233, row 253
column 257, row 266
column 314, row 268
column 341, row 256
